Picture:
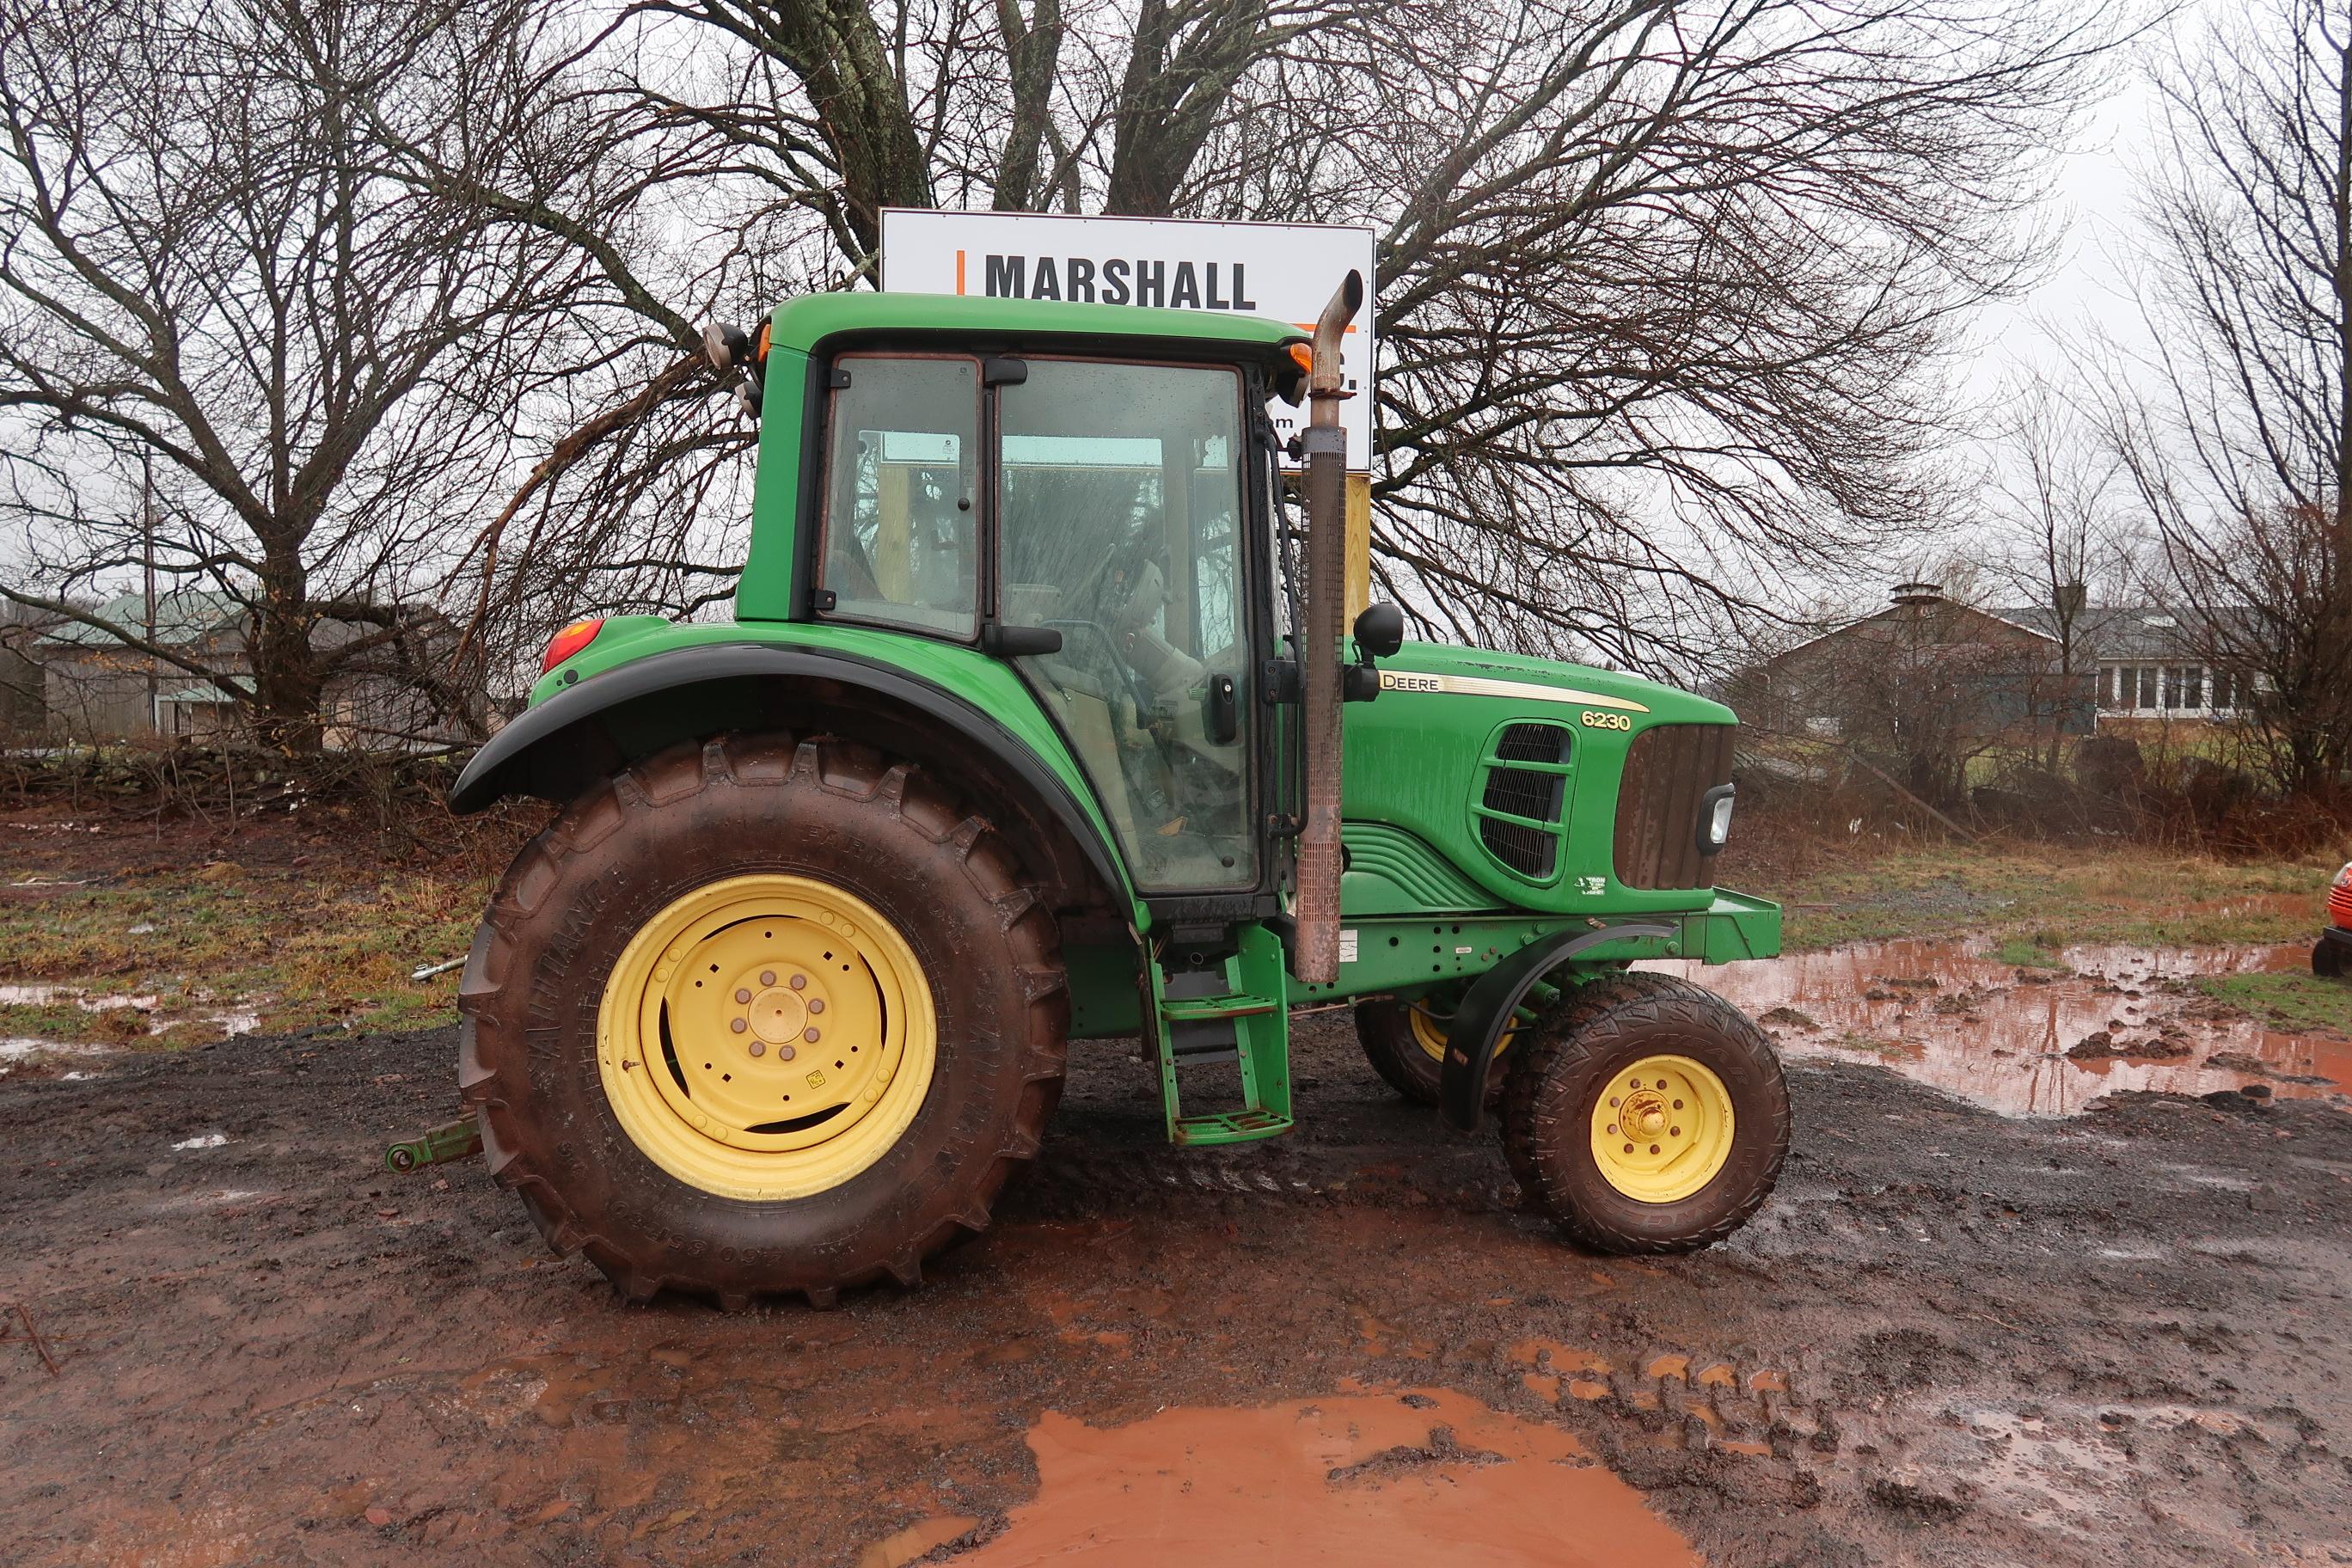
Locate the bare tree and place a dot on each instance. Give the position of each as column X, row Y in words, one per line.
column 2055, row 501
column 1664, row 286
column 2240, row 455
column 1665, row 293
column 204, row 261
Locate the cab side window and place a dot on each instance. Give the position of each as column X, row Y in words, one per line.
column 901, row 522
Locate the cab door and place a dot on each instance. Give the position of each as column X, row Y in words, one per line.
column 1121, row 525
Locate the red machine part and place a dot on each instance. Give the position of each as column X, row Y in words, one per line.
column 2339, row 899
column 569, row 641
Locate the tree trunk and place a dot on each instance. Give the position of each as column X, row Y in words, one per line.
column 287, row 686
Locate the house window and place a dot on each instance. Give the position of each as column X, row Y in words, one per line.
column 2136, row 687
column 2184, row 686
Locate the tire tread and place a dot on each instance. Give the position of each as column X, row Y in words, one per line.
column 1564, row 1044
column 678, row 774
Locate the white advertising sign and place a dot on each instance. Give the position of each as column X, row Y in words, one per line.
column 1284, row 270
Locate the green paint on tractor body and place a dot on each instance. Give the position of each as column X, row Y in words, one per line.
column 1490, row 801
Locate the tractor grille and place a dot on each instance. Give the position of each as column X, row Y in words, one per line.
column 2340, row 905
column 1669, row 768
column 1531, row 851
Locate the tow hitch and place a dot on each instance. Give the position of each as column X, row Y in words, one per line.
column 458, row 1139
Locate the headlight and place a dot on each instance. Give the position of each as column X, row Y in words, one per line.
column 1714, row 819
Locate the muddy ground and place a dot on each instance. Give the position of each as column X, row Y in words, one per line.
column 1952, row 1337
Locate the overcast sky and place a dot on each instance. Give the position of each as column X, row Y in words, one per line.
column 2093, row 196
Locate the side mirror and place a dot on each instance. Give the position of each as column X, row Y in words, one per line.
column 1380, row 631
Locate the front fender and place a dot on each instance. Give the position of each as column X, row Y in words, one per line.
column 1492, row 1003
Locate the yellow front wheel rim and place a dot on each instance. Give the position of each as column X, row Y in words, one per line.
column 766, row 1037
column 1429, row 1031
column 1662, row 1129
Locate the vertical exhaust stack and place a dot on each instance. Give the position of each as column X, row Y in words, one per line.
column 1316, row 961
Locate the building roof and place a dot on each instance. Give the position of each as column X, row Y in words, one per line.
column 203, row 692
column 182, row 616
column 1911, row 607
column 2124, row 632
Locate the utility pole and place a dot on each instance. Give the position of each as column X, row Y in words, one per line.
column 147, row 553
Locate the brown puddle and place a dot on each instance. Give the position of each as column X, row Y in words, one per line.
column 1354, row 1480
column 1947, row 1014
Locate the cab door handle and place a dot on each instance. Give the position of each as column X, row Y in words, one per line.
column 1225, row 712
column 1001, row 641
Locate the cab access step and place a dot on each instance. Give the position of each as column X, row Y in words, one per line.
column 1219, row 996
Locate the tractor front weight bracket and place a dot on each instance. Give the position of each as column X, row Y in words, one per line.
column 457, row 1139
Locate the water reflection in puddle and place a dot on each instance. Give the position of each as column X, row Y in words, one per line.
column 1948, row 1015
column 1353, row 1481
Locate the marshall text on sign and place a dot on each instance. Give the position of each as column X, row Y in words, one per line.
column 1114, row 280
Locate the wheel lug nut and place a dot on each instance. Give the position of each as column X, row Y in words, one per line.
column 1653, row 1147
column 1613, row 1102
column 766, row 977
column 1678, row 1105
column 757, row 1048
column 742, row 994
column 1629, row 1148
column 810, row 1036
column 799, row 982
column 785, row 1053
column 816, row 1003
column 738, row 1024
column 1674, row 1132
column 1612, row 1129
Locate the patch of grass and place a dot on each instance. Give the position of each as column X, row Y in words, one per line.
column 1874, row 1045
column 299, row 949
column 2296, row 1000
column 2062, row 894
column 69, row 1024
column 2039, row 951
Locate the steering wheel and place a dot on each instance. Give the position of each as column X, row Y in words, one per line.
column 1122, row 673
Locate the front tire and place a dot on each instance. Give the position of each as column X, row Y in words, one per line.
column 2331, row 959
column 1405, row 1043
column 649, row 995
column 1648, row 1115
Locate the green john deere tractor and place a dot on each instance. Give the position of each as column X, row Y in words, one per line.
column 1032, row 726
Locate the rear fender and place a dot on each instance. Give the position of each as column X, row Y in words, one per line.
column 562, row 745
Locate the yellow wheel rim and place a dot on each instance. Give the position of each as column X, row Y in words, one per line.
column 1662, row 1129
column 766, row 1037
column 1429, row 1029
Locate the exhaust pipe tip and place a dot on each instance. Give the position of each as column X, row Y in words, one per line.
column 1324, row 381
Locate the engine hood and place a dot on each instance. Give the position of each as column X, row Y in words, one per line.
column 1442, row 669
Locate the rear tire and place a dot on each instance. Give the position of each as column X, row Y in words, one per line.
column 1713, row 1054
column 982, row 1012
column 1405, row 1043
column 2331, row 959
